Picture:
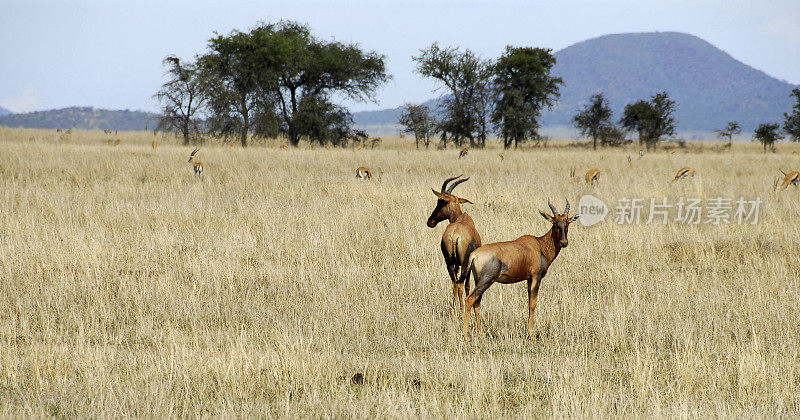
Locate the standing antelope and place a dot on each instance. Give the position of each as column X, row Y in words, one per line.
column 592, row 176
column 154, row 144
column 572, row 177
column 463, row 152
column 363, row 173
column 198, row 166
column 460, row 237
column 790, row 178
column 683, row 173
column 641, row 153
column 525, row 258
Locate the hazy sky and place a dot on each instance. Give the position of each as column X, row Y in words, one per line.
column 107, row 53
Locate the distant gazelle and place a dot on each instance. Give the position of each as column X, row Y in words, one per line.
column 526, row 258
column 641, row 153
column 572, row 177
column 154, row 144
column 198, row 166
column 683, row 173
column 592, row 176
column 790, row 178
column 117, row 142
column 283, row 147
column 463, row 152
column 363, row 173
column 460, row 237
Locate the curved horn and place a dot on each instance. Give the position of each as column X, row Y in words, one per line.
column 566, row 209
column 552, row 207
column 453, row 185
column 444, row 185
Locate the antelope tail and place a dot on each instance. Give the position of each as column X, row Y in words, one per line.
column 465, row 273
column 455, row 249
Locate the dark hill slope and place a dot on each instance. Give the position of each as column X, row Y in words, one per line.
column 710, row 86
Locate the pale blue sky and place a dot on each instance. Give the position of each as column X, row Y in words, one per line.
column 108, row 53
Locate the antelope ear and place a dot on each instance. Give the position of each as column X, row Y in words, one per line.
column 438, row 194
column 574, row 218
column 464, row 200
column 546, row 216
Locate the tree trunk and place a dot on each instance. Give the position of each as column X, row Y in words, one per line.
column 186, row 134
column 245, row 129
column 595, row 143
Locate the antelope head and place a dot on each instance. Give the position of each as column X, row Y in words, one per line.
column 448, row 206
column 191, row 156
column 560, row 223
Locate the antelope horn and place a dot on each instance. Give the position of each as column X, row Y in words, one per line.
column 453, row 185
column 552, row 207
column 194, row 151
column 444, row 185
column 566, row 209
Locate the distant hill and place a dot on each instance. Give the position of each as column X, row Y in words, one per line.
column 709, row 86
column 85, row 118
column 4, row 111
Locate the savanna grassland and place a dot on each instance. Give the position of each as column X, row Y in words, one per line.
column 281, row 286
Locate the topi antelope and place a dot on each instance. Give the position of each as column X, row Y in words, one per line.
column 459, row 238
column 525, row 258
column 463, row 152
column 198, row 166
column 363, row 173
column 683, row 173
column 592, row 176
column 790, row 178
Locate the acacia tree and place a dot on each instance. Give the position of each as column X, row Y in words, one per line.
column 181, row 98
column 238, row 87
column 595, row 119
column 522, row 86
column 268, row 72
column 767, row 135
column 731, row 129
column 417, row 119
column 467, row 77
column 652, row 120
column 791, row 122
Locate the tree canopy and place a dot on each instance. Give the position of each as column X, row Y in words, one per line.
column 791, row 121
column 767, row 134
column 260, row 80
column 652, row 120
column 523, row 87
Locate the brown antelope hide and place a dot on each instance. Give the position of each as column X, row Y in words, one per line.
column 790, row 178
column 198, row 166
column 117, row 142
column 463, row 152
column 592, row 176
column 460, row 237
column 363, row 173
column 154, row 144
column 526, row 258
column 683, row 173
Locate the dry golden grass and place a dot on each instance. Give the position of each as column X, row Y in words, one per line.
column 282, row 286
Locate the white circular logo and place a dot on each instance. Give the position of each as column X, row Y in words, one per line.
column 592, row 210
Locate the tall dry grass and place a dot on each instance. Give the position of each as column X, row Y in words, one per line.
column 282, row 286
